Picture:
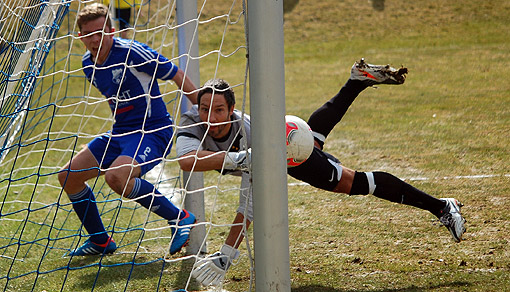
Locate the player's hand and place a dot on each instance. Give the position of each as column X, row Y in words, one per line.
column 238, row 160
column 212, row 269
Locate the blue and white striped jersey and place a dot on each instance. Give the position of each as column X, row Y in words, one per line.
column 128, row 80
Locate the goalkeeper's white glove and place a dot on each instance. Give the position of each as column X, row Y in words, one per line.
column 212, row 269
column 238, row 160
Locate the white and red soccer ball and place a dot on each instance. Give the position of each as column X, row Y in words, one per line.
column 299, row 139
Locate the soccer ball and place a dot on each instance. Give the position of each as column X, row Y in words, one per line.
column 299, row 140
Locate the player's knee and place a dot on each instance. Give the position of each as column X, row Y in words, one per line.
column 63, row 176
column 116, row 180
column 68, row 179
column 362, row 184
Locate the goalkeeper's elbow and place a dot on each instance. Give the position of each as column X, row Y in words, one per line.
column 187, row 163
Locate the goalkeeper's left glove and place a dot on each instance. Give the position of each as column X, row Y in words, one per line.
column 212, row 269
column 238, row 160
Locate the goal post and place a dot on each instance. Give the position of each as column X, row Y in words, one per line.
column 269, row 172
column 25, row 45
column 186, row 14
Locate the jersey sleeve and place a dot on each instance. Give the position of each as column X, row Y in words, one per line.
column 149, row 61
column 186, row 144
column 189, row 136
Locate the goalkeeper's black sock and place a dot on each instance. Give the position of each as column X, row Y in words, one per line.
column 325, row 118
column 388, row 187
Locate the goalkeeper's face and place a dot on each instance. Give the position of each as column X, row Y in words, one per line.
column 214, row 110
column 97, row 42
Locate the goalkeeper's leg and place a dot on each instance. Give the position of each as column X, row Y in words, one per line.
column 386, row 186
column 323, row 171
column 363, row 75
column 324, row 119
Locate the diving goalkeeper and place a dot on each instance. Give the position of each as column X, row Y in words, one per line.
column 217, row 146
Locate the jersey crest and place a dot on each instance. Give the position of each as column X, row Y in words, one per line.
column 117, row 75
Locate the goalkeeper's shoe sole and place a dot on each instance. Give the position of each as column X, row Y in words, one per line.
column 452, row 219
column 377, row 74
column 89, row 248
column 181, row 231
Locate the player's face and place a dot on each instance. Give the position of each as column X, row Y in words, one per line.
column 214, row 109
column 98, row 44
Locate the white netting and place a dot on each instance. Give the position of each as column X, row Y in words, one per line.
column 49, row 111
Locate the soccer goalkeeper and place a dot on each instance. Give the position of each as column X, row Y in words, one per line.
column 216, row 146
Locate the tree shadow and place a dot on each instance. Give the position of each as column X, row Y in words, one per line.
column 289, row 5
column 378, row 5
column 412, row 288
column 99, row 275
column 93, row 273
column 184, row 274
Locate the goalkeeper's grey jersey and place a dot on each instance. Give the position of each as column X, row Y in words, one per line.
column 191, row 132
column 190, row 137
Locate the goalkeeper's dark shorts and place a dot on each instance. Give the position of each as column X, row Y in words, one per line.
column 321, row 170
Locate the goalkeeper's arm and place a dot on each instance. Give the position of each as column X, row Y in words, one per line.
column 236, row 234
column 212, row 269
column 203, row 160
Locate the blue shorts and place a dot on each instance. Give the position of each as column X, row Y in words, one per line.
column 149, row 151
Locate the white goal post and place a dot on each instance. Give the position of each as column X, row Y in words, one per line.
column 186, row 13
column 269, row 169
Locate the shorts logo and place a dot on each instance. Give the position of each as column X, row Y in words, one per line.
column 145, row 154
column 338, row 171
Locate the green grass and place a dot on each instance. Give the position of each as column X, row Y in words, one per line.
column 451, row 118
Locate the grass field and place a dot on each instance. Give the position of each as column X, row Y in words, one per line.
column 446, row 131
column 448, row 123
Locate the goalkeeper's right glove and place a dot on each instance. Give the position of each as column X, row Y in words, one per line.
column 212, row 269
column 238, row 160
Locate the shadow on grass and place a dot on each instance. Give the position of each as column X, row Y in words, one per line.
column 118, row 275
column 413, row 288
column 288, row 5
column 126, row 275
column 184, row 273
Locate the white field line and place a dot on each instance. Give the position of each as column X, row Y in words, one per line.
column 167, row 189
column 479, row 176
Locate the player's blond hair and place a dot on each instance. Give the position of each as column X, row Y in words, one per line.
column 93, row 12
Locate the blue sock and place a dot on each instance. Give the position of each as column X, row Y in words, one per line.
column 84, row 204
column 157, row 204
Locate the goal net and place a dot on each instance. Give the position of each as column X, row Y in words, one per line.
column 49, row 111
